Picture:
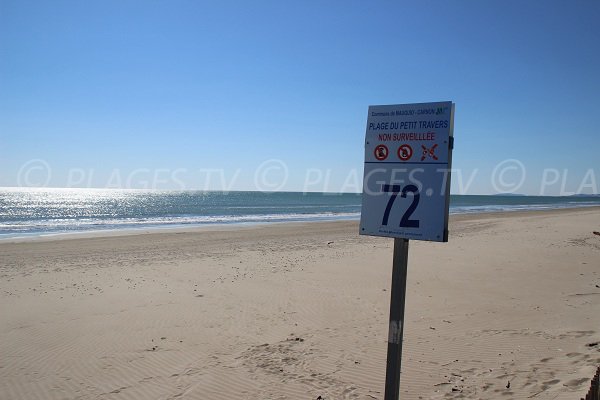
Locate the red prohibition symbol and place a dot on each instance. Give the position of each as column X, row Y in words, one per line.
column 429, row 152
column 405, row 152
column 381, row 152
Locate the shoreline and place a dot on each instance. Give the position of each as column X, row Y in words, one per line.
column 192, row 228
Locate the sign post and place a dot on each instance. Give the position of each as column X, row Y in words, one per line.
column 398, row 295
column 408, row 154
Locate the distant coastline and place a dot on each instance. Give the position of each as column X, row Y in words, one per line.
column 32, row 212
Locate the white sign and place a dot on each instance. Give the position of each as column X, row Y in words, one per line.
column 408, row 156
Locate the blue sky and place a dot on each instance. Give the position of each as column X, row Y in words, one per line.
column 173, row 94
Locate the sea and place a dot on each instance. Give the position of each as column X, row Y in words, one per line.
column 26, row 212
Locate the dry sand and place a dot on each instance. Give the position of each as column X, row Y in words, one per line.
column 297, row 311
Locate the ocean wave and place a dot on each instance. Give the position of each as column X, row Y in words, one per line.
column 12, row 228
column 517, row 207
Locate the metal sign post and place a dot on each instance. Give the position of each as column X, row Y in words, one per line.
column 406, row 194
column 398, row 295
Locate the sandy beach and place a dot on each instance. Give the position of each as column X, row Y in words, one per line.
column 508, row 309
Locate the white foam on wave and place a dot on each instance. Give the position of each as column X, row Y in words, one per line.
column 51, row 226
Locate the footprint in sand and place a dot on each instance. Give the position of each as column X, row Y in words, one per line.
column 576, row 382
column 548, row 384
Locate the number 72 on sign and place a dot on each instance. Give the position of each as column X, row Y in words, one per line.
column 395, row 189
